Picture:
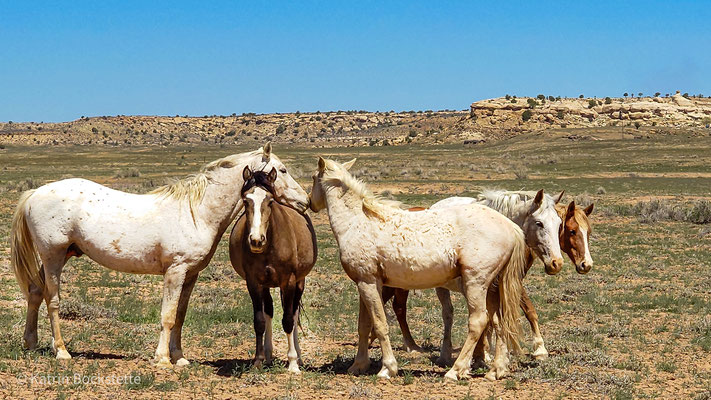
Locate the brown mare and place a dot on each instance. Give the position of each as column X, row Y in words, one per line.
column 272, row 245
column 573, row 236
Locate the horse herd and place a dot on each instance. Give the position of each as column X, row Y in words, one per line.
column 481, row 247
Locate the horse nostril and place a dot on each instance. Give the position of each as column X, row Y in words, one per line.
column 262, row 238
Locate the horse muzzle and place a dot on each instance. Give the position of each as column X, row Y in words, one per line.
column 554, row 267
column 257, row 246
column 583, row 268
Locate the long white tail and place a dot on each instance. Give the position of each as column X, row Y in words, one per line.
column 510, row 288
column 23, row 255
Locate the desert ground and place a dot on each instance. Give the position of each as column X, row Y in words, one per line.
column 637, row 326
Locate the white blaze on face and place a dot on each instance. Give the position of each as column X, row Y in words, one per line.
column 257, row 197
column 588, row 257
column 548, row 235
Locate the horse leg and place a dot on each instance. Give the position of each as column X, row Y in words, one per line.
column 480, row 351
column 53, row 265
column 499, row 368
column 300, row 286
column 361, row 363
column 268, row 315
column 445, row 351
column 400, row 308
column 540, row 352
column 476, row 304
column 176, row 346
column 34, row 300
column 293, row 354
column 370, row 294
column 386, row 293
column 256, row 293
column 173, row 281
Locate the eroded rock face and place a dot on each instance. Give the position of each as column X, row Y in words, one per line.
column 673, row 111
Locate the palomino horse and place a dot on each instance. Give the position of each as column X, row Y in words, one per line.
column 172, row 231
column 272, row 245
column 383, row 245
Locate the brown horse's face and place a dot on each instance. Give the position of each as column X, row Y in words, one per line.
column 257, row 203
column 574, row 237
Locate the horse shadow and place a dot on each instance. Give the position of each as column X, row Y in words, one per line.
column 229, row 367
column 92, row 355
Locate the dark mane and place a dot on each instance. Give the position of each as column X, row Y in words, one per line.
column 260, row 179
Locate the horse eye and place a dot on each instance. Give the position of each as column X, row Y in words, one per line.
column 283, row 170
column 539, row 224
column 572, row 232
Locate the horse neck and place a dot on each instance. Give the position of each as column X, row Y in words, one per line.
column 222, row 200
column 517, row 213
column 344, row 209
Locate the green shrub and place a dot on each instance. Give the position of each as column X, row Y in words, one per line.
column 592, row 103
column 700, row 213
column 526, row 115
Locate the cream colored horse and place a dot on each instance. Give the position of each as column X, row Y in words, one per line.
column 381, row 244
column 172, row 231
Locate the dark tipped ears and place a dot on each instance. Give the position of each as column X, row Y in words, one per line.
column 537, row 201
column 272, row 175
column 246, row 173
column 589, row 209
column 321, row 164
column 560, row 197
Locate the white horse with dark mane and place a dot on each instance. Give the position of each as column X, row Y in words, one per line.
column 172, row 231
column 384, row 245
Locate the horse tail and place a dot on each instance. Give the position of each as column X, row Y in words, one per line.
column 510, row 289
column 23, row 254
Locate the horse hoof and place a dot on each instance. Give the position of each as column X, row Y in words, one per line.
column 164, row 363
column 491, row 375
column 444, row 361
column 63, row 355
column 384, row 373
column 502, row 373
column 182, row 362
column 294, row 369
column 540, row 354
column 413, row 349
column 257, row 364
column 451, row 375
column 358, row 368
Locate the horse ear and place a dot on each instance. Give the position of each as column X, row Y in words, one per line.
column 349, row 164
column 246, row 173
column 267, row 150
column 560, row 197
column 272, row 175
column 321, row 164
column 537, row 201
column 571, row 210
column 589, row 209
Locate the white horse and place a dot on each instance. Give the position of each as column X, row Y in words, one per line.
column 172, row 231
column 536, row 214
column 381, row 244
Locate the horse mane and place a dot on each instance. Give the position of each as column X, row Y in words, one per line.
column 580, row 217
column 193, row 186
column 373, row 205
column 508, row 202
column 258, row 179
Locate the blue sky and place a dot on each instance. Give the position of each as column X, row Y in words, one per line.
column 62, row 60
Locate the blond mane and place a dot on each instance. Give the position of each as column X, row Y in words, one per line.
column 373, row 205
column 192, row 188
column 580, row 217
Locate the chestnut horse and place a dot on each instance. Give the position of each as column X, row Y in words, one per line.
column 272, row 245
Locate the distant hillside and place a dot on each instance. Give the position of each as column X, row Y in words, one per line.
column 525, row 114
column 487, row 120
